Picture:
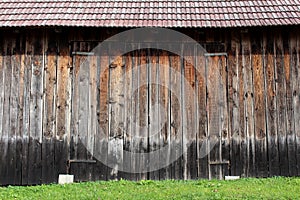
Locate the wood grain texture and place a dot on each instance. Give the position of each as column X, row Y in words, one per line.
column 12, row 109
column 202, row 152
column 19, row 138
column 103, row 134
column 116, row 100
column 128, row 132
column 4, row 110
column 143, row 123
column 295, row 63
column 49, row 122
column 233, row 98
column 154, row 143
column 36, row 111
column 176, row 117
column 281, row 104
column 268, row 46
column 60, row 102
column 291, row 144
column 249, row 105
column 259, row 108
column 164, row 115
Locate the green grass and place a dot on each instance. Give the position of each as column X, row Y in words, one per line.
column 269, row 188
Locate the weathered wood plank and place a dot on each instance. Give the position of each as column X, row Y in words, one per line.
column 295, row 63
column 62, row 71
column 19, row 141
column 249, row 105
column 202, row 138
column 176, row 117
column 281, row 104
column 116, row 96
column 143, row 113
column 271, row 116
column 242, row 120
column 83, row 113
column 233, row 87
column 68, row 102
column 127, row 145
column 102, row 132
column 93, row 115
column 224, row 116
column 8, row 174
column 164, row 114
column 97, row 173
column 182, row 114
column 4, row 106
column 2, row 80
column 14, row 95
column 259, row 107
column 26, row 110
column 36, row 111
column 291, row 143
column 49, row 110
column 136, row 116
column 190, row 115
column 154, row 146
column 76, row 60
column 214, row 104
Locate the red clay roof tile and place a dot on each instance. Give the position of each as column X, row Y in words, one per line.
column 152, row 13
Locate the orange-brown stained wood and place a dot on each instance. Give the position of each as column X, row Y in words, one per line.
column 63, row 65
column 259, row 108
column 260, row 129
column 50, row 90
column 268, row 46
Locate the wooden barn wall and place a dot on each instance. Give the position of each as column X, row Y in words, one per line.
column 43, row 118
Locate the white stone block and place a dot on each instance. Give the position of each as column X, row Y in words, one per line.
column 232, row 177
column 65, row 178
